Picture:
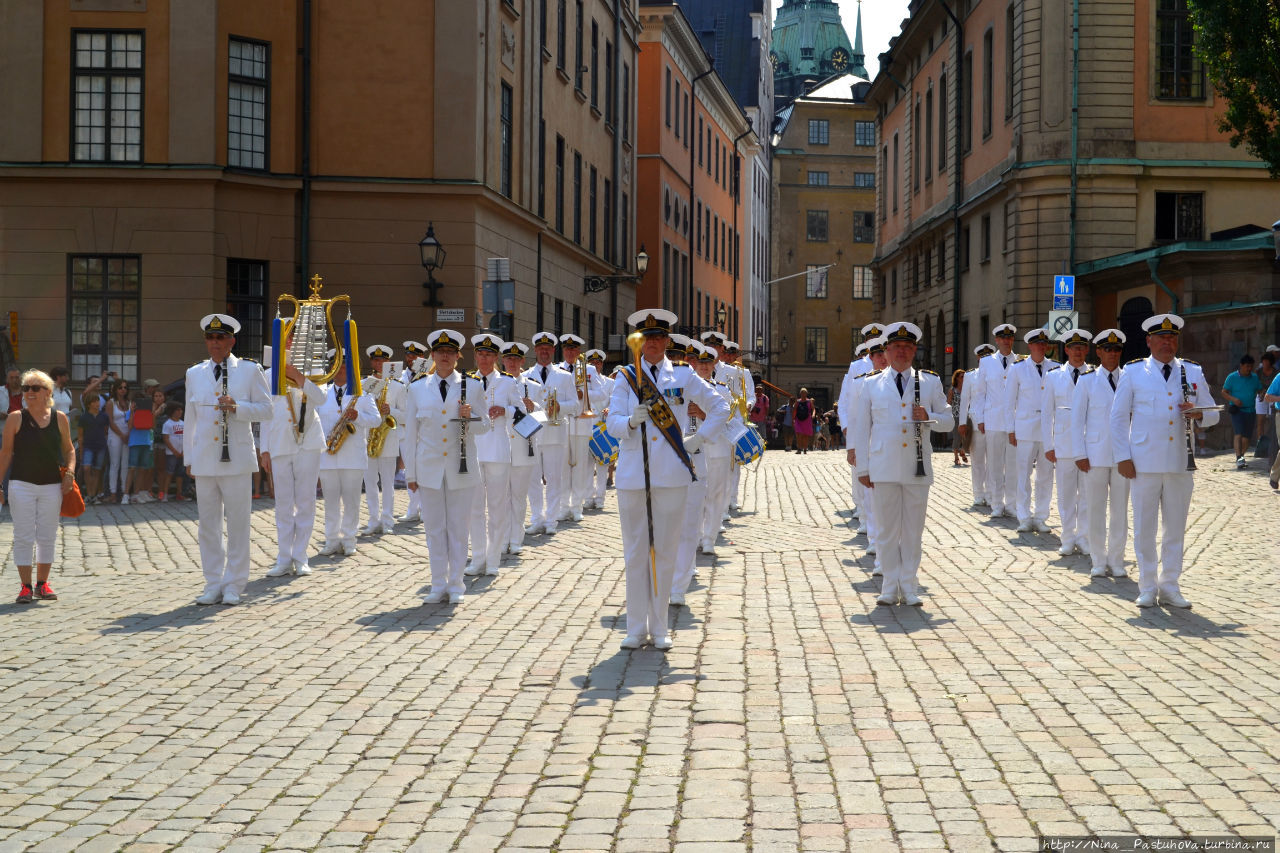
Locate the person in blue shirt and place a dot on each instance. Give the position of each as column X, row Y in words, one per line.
column 1241, row 391
column 1273, row 397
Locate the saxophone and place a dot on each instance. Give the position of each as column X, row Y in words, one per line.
column 378, row 435
column 343, row 428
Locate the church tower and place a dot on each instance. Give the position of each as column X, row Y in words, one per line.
column 809, row 45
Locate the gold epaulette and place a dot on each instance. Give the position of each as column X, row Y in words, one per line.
column 419, row 376
column 1055, row 367
column 972, row 370
column 1020, row 358
column 1135, row 361
column 504, row 373
column 1189, row 361
column 680, row 364
column 872, row 373
column 931, row 373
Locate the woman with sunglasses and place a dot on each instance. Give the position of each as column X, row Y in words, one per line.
column 119, row 414
column 37, row 441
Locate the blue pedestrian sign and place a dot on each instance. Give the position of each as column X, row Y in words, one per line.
column 1064, row 293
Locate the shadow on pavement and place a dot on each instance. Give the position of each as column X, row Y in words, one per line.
column 423, row 617
column 899, row 619
column 623, row 673
column 1184, row 623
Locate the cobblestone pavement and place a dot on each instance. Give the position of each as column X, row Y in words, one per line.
column 337, row 711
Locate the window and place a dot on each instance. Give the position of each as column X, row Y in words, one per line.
column 542, row 23
column 679, row 113
column 591, row 211
column 928, row 136
column 966, row 106
column 718, row 159
column 699, row 140
column 608, row 220
column 895, row 172
column 1008, row 62
column 987, row 83
column 577, row 321
column 1179, row 216
column 864, row 229
column 595, row 65
column 688, row 120
column 863, row 283
column 818, row 179
column 561, row 48
column 624, row 248
column 697, row 231
column 1008, row 226
column 984, row 246
column 819, row 131
column 625, row 105
column 815, row 344
column 505, row 177
column 1179, row 73
column 247, row 302
column 893, row 286
column 964, row 248
column 928, row 267
column 916, row 146
column 864, row 133
column 942, row 123
column 816, row 226
column 542, row 168
column 591, row 330
column 666, row 273
column 667, row 102
column 105, row 315
column 558, row 325
column 609, row 84
column 577, row 197
column 815, row 282
column 247, row 67
column 715, row 243
column 560, row 183
column 107, row 97
column 880, row 200
column 578, row 67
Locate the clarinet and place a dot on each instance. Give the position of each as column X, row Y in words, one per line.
column 226, row 449
column 462, row 463
column 919, row 434
column 525, row 385
column 1188, row 396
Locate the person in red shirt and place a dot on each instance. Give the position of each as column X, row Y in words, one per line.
column 13, row 383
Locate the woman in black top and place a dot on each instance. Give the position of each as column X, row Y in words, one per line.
column 37, row 441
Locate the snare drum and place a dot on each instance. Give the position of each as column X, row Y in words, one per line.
column 747, row 446
column 603, row 446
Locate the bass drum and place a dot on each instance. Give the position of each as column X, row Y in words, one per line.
column 603, row 447
column 747, row 446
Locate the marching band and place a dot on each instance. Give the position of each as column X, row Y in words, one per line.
column 480, row 448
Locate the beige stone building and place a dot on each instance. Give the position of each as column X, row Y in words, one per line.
column 163, row 159
column 824, row 178
column 1008, row 155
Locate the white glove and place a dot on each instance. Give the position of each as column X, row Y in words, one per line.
column 639, row 415
column 693, row 442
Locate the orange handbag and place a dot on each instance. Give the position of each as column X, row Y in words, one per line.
column 72, row 501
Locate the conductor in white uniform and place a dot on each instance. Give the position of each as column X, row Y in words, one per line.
column 225, row 394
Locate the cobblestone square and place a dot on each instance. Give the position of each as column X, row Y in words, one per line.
column 337, row 711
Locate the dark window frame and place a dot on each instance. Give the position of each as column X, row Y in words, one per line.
column 109, row 72
column 816, row 221
column 105, row 294
column 507, row 140
column 250, row 340
column 1179, row 73
column 822, row 127
column 263, row 83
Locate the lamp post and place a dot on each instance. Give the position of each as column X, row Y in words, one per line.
column 722, row 317
column 600, row 283
column 433, row 255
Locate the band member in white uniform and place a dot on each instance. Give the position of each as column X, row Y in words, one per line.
column 578, row 457
column 719, row 456
column 1060, row 442
column 291, row 446
column 225, row 394
column 967, row 417
column 860, row 366
column 523, row 451
column 490, row 520
column 696, row 498
column 747, row 387
column 416, row 363
column 654, row 497
column 380, row 470
column 992, row 398
column 439, row 434
column 342, row 471
column 1105, row 491
column 875, row 353
column 890, row 453
column 1154, row 398
column 1027, row 380
column 548, row 488
column 595, row 358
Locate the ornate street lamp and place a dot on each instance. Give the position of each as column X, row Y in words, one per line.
column 433, row 255
column 598, row 283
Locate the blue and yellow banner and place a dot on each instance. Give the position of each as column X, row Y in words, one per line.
column 660, row 413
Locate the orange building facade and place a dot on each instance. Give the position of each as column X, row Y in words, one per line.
column 692, row 142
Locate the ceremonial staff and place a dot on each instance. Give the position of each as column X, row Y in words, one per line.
column 635, row 341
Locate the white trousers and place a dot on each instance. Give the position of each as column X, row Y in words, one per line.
column 518, row 501
column 647, row 602
column 580, row 473
column 900, row 509
column 602, row 484
column 1073, row 508
column 36, row 510
column 226, row 499
column 856, row 492
column 1001, row 467
column 1030, row 454
column 1166, row 497
column 295, row 478
column 415, row 504
column 490, row 514
column 978, row 465
column 381, row 502
column 735, row 477
column 1107, row 494
column 341, row 505
column 118, row 465
column 695, row 500
column 446, row 514
column 719, row 472
column 547, row 501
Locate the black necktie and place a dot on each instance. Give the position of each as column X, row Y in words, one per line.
column 484, row 380
column 444, row 390
column 898, row 379
column 1111, row 377
column 217, row 373
column 544, row 374
column 1075, row 375
column 653, row 368
column 337, row 392
column 1040, row 369
column 1004, row 360
column 1167, row 369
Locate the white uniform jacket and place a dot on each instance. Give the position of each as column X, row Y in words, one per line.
column 559, row 382
column 500, row 389
column 432, row 448
column 1091, row 417
column 884, row 438
column 993, row 398
column 1055, row 411
column 844, row 403
column 679, row 385
column 597, row 395
column 1146, row 425
column 1026, row 397
column 519, row 445
column 964, row 406
column 395, row 401
column 280, row 436
column 354, row 453
column 202, row 445
column 721, row 447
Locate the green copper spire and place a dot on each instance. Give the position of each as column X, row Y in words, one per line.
column 857, row 66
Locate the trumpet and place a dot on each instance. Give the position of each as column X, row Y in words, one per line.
column 553, row 410
column 582, row 380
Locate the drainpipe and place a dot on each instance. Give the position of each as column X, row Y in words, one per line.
column 304, row 223
column 1075, row 130
column 1154, row 264
column 615, row 108
column 693, row 178
column 737, row 194
column 958, row 168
